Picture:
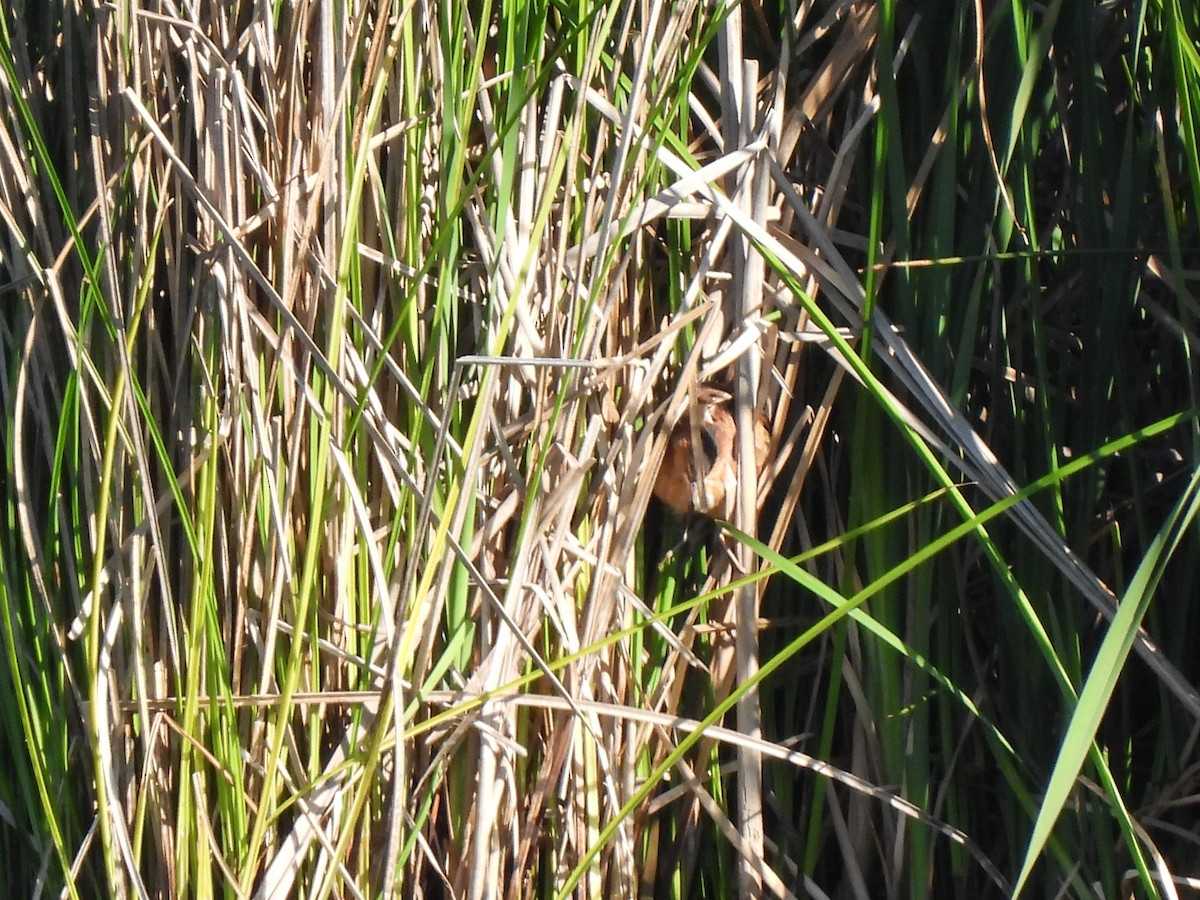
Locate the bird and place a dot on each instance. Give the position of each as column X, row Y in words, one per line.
column 700, row 469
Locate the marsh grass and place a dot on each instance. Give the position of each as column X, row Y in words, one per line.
column 340, row 349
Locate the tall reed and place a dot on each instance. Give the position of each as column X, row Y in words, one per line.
column 342, row 344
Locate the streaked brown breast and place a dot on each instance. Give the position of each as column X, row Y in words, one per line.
column 699, row 470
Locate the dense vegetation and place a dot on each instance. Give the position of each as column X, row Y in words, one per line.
column 341, row 344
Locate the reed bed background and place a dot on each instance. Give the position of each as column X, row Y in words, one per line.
column 340, row 347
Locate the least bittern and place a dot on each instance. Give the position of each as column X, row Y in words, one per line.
column 699, row 472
